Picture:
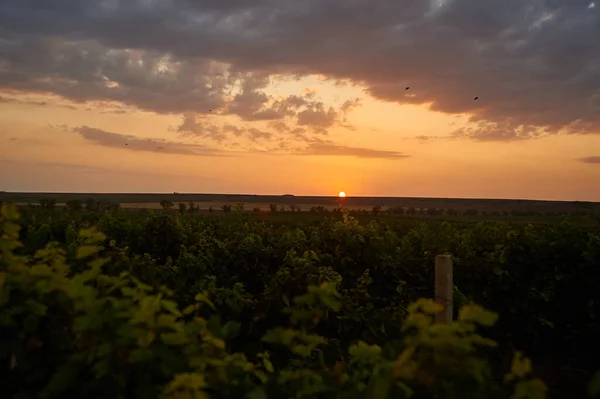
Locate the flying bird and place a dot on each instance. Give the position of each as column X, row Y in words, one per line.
column 476, row 98
column 407, row 87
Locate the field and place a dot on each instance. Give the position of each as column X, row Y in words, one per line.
column 263, row 201
column 161, row 303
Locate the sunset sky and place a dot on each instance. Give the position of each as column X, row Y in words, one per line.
column 306, row 97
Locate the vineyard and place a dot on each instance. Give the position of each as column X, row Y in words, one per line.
column 115, row 303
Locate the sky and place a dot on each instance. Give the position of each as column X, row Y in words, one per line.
column 311, row 97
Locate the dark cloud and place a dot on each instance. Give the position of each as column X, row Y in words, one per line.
column 200, row 127
column 133, row 143
column 535, row 65
column 595, row 160
column 252, row 104
column 318, row 117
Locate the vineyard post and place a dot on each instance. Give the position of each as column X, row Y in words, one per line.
column 444, row 287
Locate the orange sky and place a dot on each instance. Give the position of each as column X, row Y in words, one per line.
column 37, row 155
column 234, row 98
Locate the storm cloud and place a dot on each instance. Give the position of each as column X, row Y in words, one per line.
column 534, row 65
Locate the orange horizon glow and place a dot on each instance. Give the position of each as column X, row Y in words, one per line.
column 45, row 154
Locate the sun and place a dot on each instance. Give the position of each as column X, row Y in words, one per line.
column 342, row 194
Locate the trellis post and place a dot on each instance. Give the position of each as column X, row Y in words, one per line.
column 444, row 288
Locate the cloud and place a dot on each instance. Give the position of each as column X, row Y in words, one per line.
column 533, row 64
column 88, row 72
column 324, row 147
column 594, row 160
column 195, row 126
column 133, row 143
column 283, row 140
column 44, row 164
column 427, row 139
column 27, row 101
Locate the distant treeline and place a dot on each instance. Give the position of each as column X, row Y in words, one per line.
column 93, row 204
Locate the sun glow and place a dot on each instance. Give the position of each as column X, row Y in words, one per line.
column 342, row 194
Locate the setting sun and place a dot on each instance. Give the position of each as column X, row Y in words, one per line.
column 342, row 194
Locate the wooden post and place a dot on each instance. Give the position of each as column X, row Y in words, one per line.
column 444, row 287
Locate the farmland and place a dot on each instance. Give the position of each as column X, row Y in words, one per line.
column 204, row 201
column 151, row 302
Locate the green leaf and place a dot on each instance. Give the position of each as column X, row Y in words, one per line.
column 477, row 314
column 9, row 211
column 520, row 366
column 530, row 389
column 428, row 306
column 364, row 353
column 146, row 340
column 92, row 235
column 85, row 251
column 203, row 298
column 171, row 307
column 189, row 310
column 380, row 383
column 268, row 365
column 176, row 339
column 285, row 300
column 168, row 321
column 190, row 382
column 257, row 393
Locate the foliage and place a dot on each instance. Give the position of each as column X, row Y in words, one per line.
column 164, row 305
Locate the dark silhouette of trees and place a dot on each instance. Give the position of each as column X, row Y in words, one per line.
column 434, row 211
column 74, row 205
column 396, row 210
column 182, row 208
column 166, row 204
column 48, row 203
column 91, row 204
